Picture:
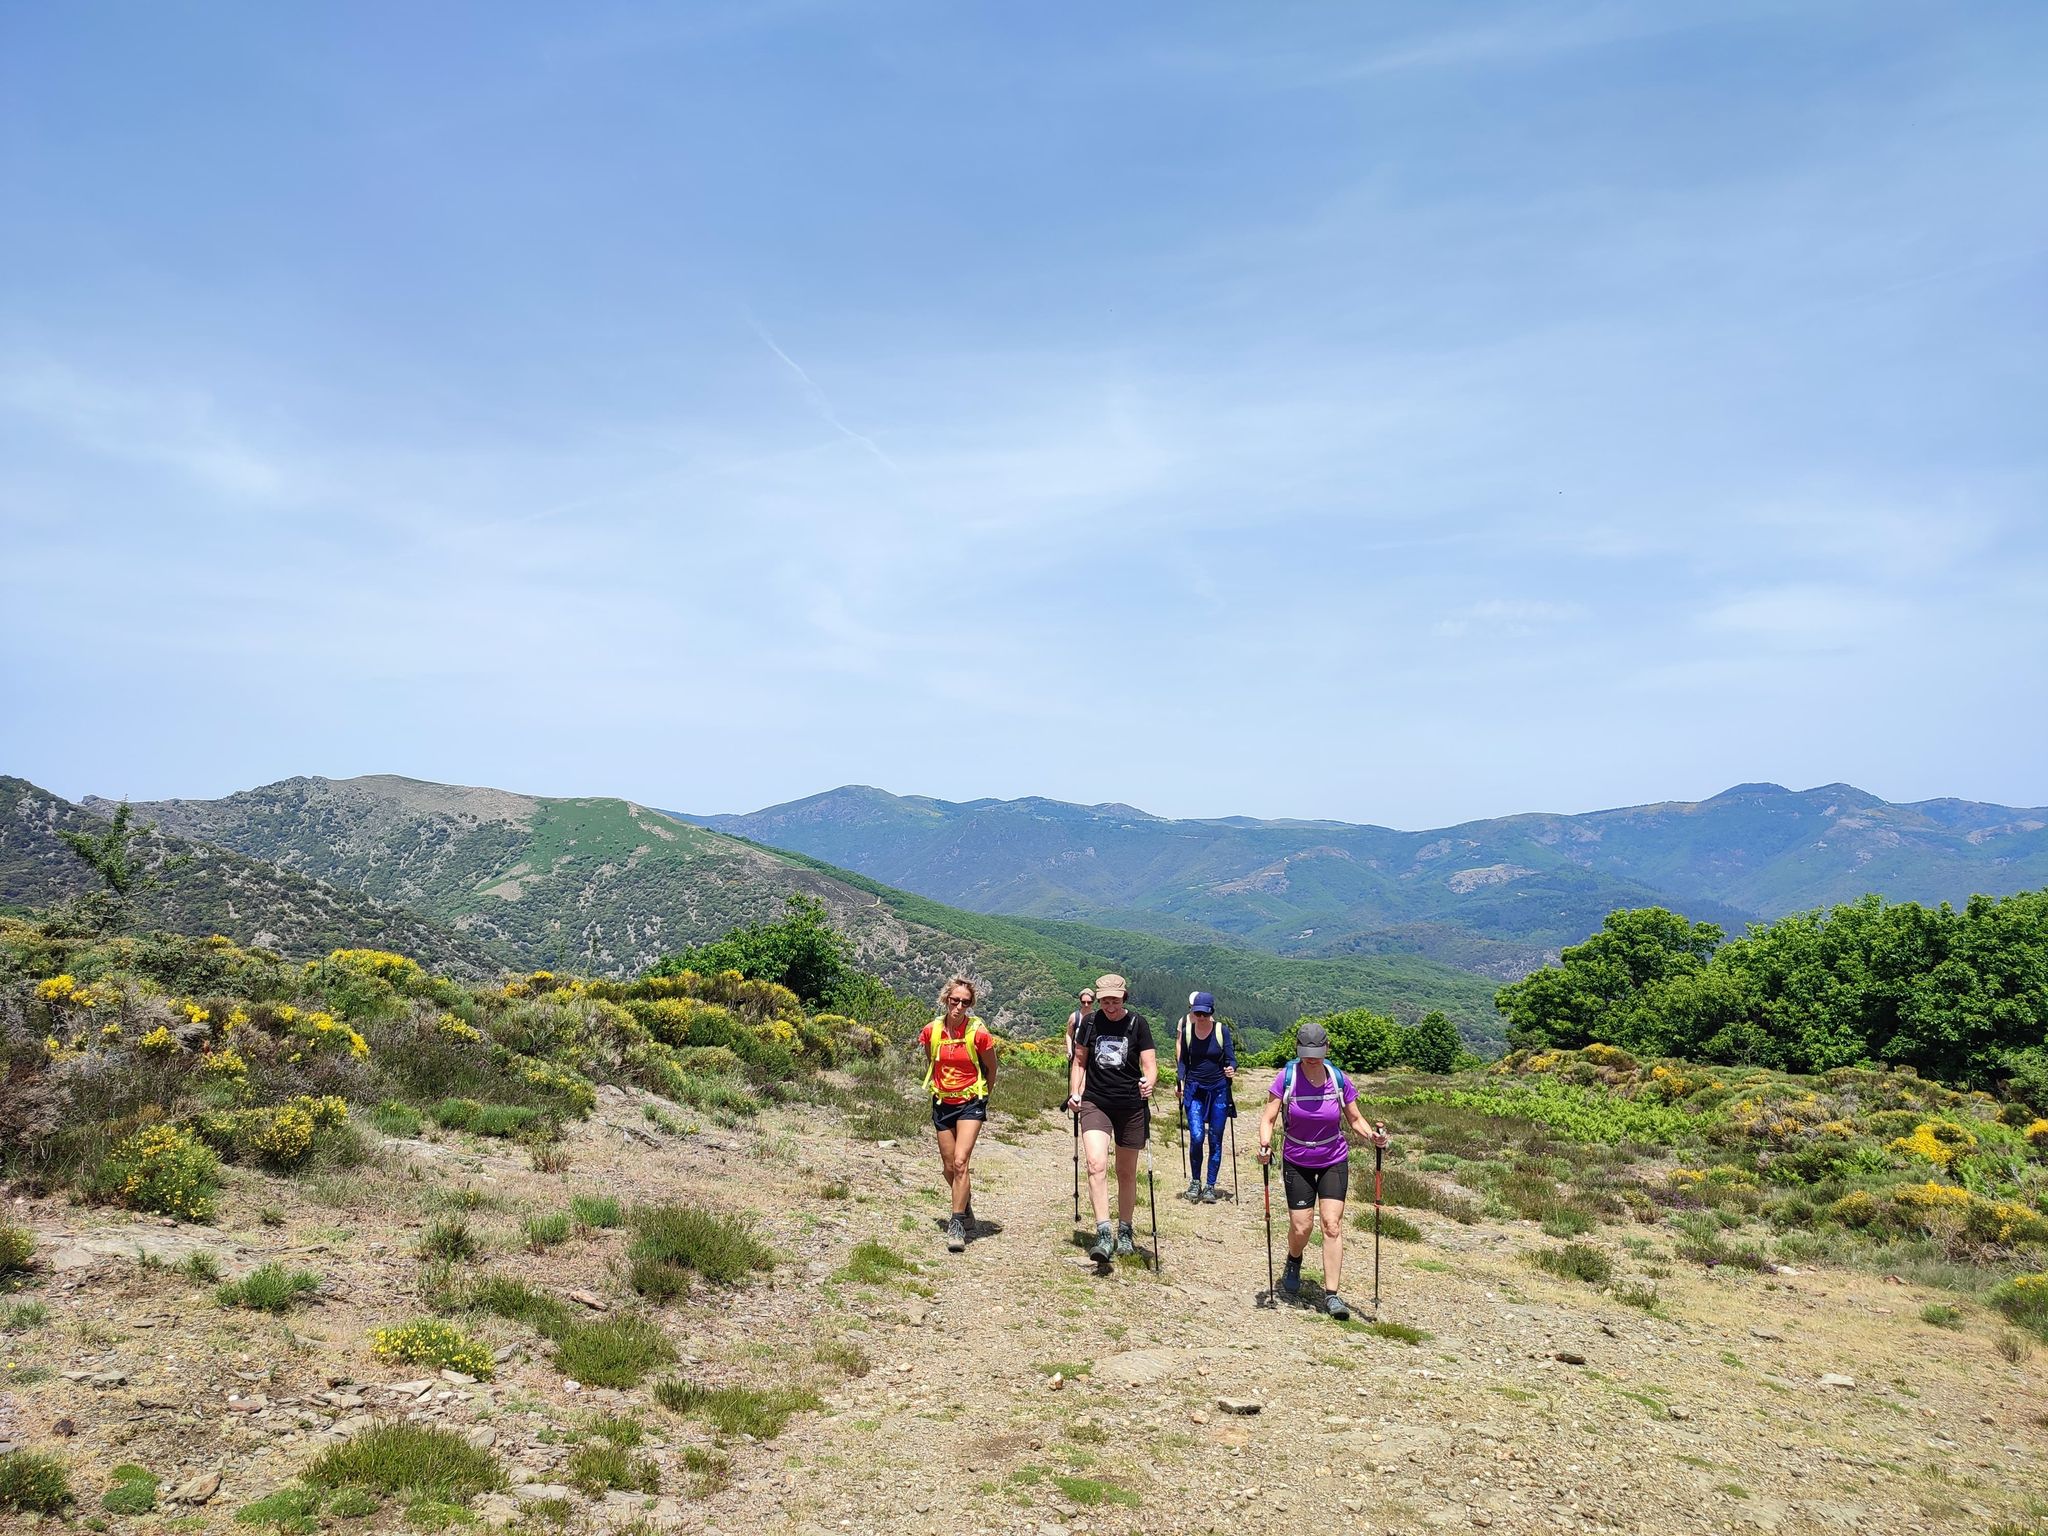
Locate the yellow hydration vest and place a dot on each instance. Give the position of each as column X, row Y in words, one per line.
column 939, row 1039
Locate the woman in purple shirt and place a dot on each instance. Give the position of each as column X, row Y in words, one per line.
column 1318, row 1101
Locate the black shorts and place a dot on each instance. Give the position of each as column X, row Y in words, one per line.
column 945, row 1116
column 1306, row 1186
column 1123, row 1124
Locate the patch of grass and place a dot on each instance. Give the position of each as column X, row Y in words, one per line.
column 131, row 1490
column 597, row 1468
column 873, row 1262
column 736, row 1410
column 1086, row 1432
column 271, row 1288
column 1399, row 1333
column 1575, row 1261
column 835, row 1189
column 292, row 1511
column 1940, row 1314
column 20, row 1316
column 450, row 1239
column 544, row 1232
column 1090, row 1492
column 1433, row 1266
column 721, row 1248
column 613, row 1351
column 505, row 1297
column 353, row 1504
column 481, row 1119
column 2013, row 1348
column 848, row 1359
column 412, row 1459
column 1644, row 1297
column 2024, row 1301
column 622, row 1430
column 466, row 1197
column 1514, row 1394
column 709, row 1471
column 202, row 1267
column 596, row 1212
column 1393, row 1226
column 658, row 1280
column 1400, row 1187
column 1567, row 1221
column 396, row 1119
column 270, row 1216
column 1067, row 1368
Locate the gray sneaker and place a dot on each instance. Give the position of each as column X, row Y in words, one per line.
column 1209, row 1195
column 1334, row 1305
column 956, row 1235
column 1125, row 1242
column 1194, row 1191
column 1103, row 1249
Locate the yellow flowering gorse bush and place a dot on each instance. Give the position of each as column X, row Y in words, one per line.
column 435, row 1343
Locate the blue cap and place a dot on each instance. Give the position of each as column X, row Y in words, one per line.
column 1201, row 1002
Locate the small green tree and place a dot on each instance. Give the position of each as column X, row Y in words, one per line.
column 802, row 951
column 114, row 856
column 1361, row 1040
column 1433, row 1045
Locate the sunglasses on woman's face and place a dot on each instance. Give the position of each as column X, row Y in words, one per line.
column 959, row 1002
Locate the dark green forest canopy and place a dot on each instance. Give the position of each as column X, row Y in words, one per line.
column 1959, row 995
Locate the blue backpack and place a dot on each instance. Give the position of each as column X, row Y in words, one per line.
column 1287, row 1094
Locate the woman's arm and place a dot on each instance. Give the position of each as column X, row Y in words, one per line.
column 987, row 1057
column 1372, row 1135
column 1077, row 1074
column 1148, row 1072
column 1267, row 1121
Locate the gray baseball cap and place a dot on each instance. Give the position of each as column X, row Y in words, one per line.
column 1312, row 1041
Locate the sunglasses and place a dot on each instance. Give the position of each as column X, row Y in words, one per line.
column 959, row 1002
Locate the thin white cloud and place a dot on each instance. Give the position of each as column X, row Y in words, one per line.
column 821, row 402
column 1507, row 618
column 179, row 429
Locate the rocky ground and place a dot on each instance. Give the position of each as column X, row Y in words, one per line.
column 1013, row 1388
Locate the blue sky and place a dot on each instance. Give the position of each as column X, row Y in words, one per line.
column 1400, row 413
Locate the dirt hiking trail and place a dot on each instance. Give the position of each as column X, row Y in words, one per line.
column 1012, row 1388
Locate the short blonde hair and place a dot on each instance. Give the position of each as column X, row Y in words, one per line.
column 973, row 992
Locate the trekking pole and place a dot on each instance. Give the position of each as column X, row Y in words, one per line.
column 1151, row 1192
column 1378, row 1155
column 1186, row 1142
column 1266, row 1170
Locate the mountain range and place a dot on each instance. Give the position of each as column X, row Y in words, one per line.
column 1495, row 897
column 607, row 887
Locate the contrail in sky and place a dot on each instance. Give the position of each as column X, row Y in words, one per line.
column 820, row 401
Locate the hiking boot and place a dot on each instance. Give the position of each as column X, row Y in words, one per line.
column 967, row 1219
column 956, row 1235
column 1209, row 1195
column 1103, row 1249
column 1334, row 1305
column 1290, row 1278
column 1194, row 1190
column 1125, row 1242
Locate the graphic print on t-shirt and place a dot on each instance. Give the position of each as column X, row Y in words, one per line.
column 1111, row 1051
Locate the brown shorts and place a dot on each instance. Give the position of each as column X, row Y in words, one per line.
column 1124, row 1125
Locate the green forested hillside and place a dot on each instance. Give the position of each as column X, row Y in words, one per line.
column 609, row 887
column 206, row 890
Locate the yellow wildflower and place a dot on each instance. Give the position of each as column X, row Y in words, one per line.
column 159, row 1039
column 57, row 989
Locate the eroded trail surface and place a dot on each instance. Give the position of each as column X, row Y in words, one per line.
column 1012, row 1388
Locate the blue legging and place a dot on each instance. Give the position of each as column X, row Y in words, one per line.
column 1208, row 1108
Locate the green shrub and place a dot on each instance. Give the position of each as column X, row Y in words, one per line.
column 202, row 1267
column 485, row 1119
column 450, row 1239
column 736, row 1410
column 612, row 1352
column 33, row 1483
column 514, row 1299
column 396, row 1119
column 1575, row 1261
column 270, row 1288
column 617, row 1429
column 1940, row 1314
column 17, row 1249
column 873, row 1262
column 434, row 1343
column 1393, row 1226
column 721, row 1248
column 595, row 1469
column 20, row 1316
column 163, row 1170
column 546, row 1231
column 292, row 1511
column 596, row 1211
column 131, row 1490
column 2024, row 1300
column 410, row 1459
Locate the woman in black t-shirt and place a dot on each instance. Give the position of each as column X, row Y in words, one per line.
column 1110, row 1089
